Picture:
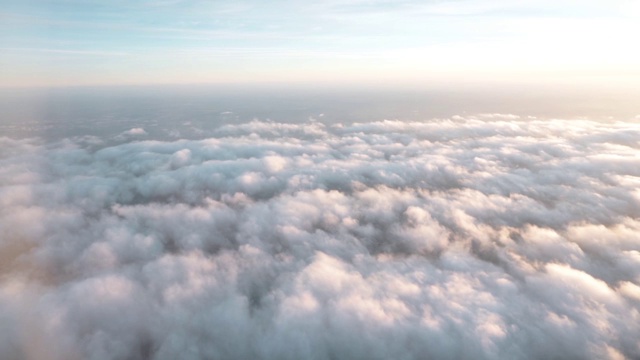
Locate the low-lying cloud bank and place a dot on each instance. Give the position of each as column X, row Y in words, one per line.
column 486, row 237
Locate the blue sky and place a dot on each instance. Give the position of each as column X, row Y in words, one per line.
column 74, row 42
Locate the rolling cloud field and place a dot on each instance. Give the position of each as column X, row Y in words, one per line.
column 471, row 237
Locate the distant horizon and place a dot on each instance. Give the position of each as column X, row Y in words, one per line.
column 295, row 103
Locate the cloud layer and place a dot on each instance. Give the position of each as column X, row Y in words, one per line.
column 479, row 237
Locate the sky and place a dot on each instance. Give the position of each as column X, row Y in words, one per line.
column 73, row 42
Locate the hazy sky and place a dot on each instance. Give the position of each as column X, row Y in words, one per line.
column 71, row 42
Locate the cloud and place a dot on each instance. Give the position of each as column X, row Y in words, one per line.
column 485, row 237
column 135, row 131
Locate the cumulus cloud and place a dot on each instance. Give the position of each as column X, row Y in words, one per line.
column 479, row 237
column 131, row 133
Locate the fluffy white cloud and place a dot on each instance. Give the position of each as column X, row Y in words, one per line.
column 479, row 237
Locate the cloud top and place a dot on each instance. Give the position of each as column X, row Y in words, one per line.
column 483, row 237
